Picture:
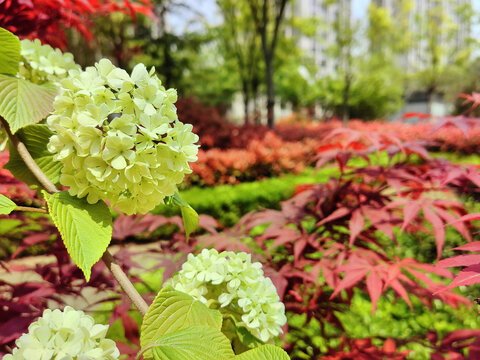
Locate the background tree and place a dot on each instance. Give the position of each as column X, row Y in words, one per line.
column 442, row 56
column 268, row 15
column 342, row 52
column 241, row 42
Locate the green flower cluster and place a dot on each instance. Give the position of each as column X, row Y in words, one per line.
column 65, row 335
column 41, row 63
column 119, row 137
column 237, row 286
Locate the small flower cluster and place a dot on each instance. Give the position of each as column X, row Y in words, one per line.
column 230, row 280
column 41, row 63
column 119, row 137
column 65, row 335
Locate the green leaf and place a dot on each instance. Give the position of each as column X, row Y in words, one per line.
column 23, row 103
column 239, row 336
column 10, row 54
column 35, row 138
column 172, row 311
column 86, row 229
column 6, row 205
column 189, row 215
column 264, row 352
column 195, row 342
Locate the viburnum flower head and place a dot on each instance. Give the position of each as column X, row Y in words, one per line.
column 42, row 63
column 233, row 283
column 119, row 137
column 64, row 335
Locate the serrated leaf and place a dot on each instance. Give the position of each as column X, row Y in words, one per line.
column 194, row 342
column 23, row 103
column 468, row 276
column 86, row 229
column 35, row 138
column 6, row 205
column 10, row 54
column 356, row 225
column 189, row 215
column 172, row 311
column 264, row 352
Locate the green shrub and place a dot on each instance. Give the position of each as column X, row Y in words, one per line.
column 227, row 203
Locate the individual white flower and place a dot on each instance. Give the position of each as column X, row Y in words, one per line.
column 65, row 335
column 41, row 63
column 235, row 285
column 125, row 133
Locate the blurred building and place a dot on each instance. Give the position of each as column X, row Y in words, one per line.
column 416, row 58
column 317, row 46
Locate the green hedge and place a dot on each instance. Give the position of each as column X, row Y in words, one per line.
column 228, row 203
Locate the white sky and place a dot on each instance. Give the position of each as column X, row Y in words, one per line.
column 207, row 9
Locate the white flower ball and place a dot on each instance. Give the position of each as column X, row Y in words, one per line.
column 119, row 137
column 41, row 63
column 64, row 335
column 233, row 283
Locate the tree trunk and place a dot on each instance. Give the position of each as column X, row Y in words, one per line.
column 246, row 103
column 270, row 92
column 346, row 100
column 430, row 92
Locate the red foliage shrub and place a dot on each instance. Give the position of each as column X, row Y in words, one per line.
column 261, row 158
column 363, row 349
column 214, row 132
column 326, row 239
column 48, row 19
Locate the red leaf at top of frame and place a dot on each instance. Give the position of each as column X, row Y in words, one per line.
column 337, row 214
column 374, row 287
column 389, row 347
column 459, row 335
column 460, row 260
column 438, row 228
column 468, row 276
column 302, row 187
column 208, row 223
column 474, row 348
column 356, row 224
column 474, row 98
column 416, row 114
column 400, row 290
column 324, row 148
column 410, row 211
column 350, row 279
column 474, row 246
column 468, row 217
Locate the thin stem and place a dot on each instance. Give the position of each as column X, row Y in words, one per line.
column 107, row 257
column 125, row 283
column 30, row 209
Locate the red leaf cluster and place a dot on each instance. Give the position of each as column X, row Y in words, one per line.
column 363, row 349
column 268, row 157
column 325, row 239
column 48, row 19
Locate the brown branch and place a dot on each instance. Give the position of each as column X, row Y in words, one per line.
column 107, row 258
column 125, row 283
